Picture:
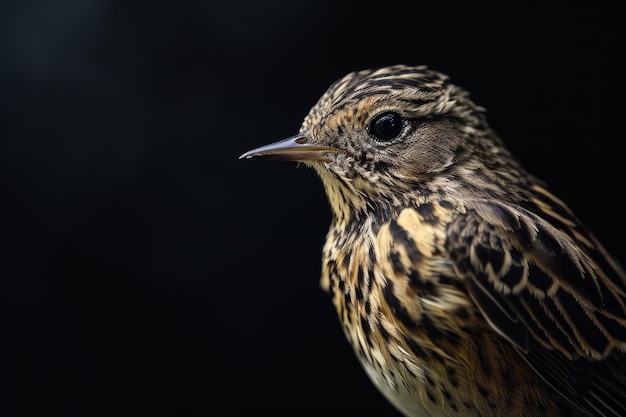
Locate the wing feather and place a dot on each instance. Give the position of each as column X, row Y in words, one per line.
column 547, row 285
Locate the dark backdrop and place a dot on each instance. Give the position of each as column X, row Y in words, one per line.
column 147, row 271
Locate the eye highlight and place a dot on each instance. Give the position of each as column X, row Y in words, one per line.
column 386, row 126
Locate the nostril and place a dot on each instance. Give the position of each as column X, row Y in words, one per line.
column 301, row 140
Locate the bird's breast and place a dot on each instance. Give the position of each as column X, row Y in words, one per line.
column 411, row 322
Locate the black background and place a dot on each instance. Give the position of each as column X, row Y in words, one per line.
column 147, row 271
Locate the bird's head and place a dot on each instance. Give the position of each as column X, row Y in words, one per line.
column 383, row 135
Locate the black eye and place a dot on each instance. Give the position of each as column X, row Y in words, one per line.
column 386, row 126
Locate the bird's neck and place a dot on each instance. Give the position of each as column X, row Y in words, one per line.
column 345, row 202
column 357, row 200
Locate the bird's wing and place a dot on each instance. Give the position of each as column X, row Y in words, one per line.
column 547, row 285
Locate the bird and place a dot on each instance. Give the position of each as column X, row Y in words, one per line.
column 464, row 286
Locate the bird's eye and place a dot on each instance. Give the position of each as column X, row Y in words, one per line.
column 386, row 126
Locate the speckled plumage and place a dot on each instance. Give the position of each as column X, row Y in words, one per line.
column 465, row 287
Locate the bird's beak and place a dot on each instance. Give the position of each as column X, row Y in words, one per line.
column 295, row 148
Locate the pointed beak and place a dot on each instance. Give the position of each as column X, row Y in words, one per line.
column 295, row 148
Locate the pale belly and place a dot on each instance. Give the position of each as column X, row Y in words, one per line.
column 400, row 397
